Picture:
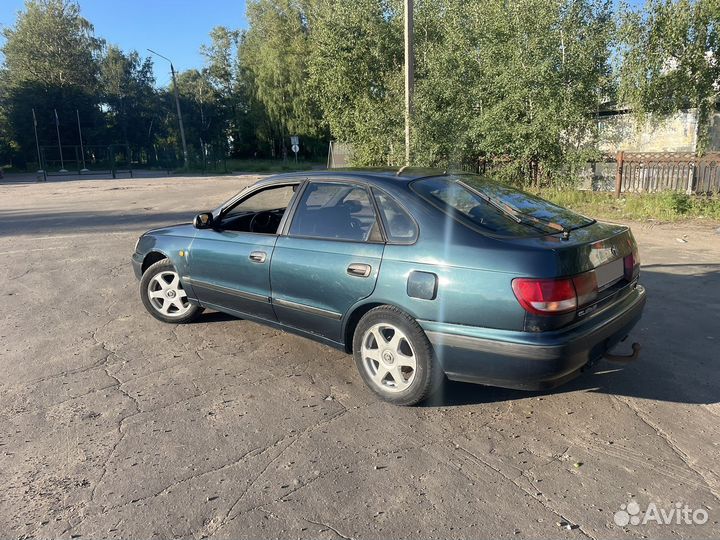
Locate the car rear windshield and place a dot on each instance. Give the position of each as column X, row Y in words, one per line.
column 495, row 207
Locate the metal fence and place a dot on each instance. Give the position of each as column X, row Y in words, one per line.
column 648, row 172
column 111, row 159
column 339, row 155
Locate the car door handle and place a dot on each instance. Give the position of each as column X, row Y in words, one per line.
column 359, row 270
column 258, row 256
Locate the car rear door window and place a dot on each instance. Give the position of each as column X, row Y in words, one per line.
column 335, row 211
column 399, row 226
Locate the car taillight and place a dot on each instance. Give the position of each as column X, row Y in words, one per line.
column 545, row 296
column 555, row 296
column 632, row 265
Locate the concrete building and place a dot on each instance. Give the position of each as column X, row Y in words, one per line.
column 618, row 131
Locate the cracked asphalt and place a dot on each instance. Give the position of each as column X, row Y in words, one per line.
column 115, row 425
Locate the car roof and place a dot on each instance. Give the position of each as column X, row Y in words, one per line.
column 377, row 176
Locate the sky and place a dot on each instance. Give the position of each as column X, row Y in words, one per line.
column 174, row 28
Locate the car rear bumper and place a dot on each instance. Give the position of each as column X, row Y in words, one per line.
column 531, row 361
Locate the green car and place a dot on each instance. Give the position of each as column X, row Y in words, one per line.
column 420, row 275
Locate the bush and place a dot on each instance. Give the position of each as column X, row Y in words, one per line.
column 678, row 203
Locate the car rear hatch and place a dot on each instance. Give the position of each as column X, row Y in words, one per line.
column 581, row 267
column 597, row 266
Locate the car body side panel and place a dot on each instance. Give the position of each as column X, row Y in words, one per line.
column 223, row 274
column 464, row 295
column 311, row 287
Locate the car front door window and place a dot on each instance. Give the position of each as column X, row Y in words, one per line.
column 261, row 212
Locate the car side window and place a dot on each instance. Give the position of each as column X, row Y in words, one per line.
column 261, row 212
column 399, row 226
column 336, row 211
column 274, row 198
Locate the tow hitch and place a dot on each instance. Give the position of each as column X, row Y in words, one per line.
column 624, row 358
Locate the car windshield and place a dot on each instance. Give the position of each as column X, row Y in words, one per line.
column 495, row 207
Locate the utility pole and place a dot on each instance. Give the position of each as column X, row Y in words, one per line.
column 177, row 104
column 409, row 75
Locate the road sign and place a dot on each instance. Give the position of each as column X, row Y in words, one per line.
column 295, row 148
column 295, row 140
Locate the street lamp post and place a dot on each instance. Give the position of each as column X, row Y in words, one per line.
column 177, row 104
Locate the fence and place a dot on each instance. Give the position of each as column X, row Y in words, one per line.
column 647, row 172
column 339, row 155
column 89, row 159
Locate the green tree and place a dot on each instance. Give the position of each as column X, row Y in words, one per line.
column 355, row 69
column 515, row 80
column 127, row 91
column 274, row 53
column 671, row 60
column 202, row 110
column 220, row 72
column 51, row 62
column 520, row 80
column 557, row 74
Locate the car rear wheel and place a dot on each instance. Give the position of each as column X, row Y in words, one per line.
column 395, row 357
column 163, row 294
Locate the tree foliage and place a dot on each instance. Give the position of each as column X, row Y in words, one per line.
column 516, row 82
column 274, row 52
column 127, row 91
column 51, row 64
column 525, row 79
column 356, row 75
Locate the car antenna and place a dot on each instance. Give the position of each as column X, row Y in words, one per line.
column 401, row 170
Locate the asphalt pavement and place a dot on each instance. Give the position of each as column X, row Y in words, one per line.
column 115, row 425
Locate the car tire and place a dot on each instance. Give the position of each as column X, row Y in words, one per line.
column 394, row 356
column 163, row 295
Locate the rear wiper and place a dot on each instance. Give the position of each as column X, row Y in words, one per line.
column 517, row 215
column 549, row 224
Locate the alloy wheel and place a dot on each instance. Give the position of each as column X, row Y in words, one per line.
column 388, row 357
column 167, row 295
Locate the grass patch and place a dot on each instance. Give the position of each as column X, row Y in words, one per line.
column 665, row 206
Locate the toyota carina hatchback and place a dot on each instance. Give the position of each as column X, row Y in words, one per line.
column 418, row 274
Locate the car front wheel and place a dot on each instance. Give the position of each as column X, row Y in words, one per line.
column 395, row 357
column 163, row 294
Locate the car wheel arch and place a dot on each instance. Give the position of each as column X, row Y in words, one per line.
column 151, row 258
column 356, row 313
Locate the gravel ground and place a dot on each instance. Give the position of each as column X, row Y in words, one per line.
column 116, row 425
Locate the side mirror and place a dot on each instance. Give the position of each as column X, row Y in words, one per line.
column 203, row 221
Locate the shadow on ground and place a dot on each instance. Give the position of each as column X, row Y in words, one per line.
column 41, row 222
column 680, row 358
